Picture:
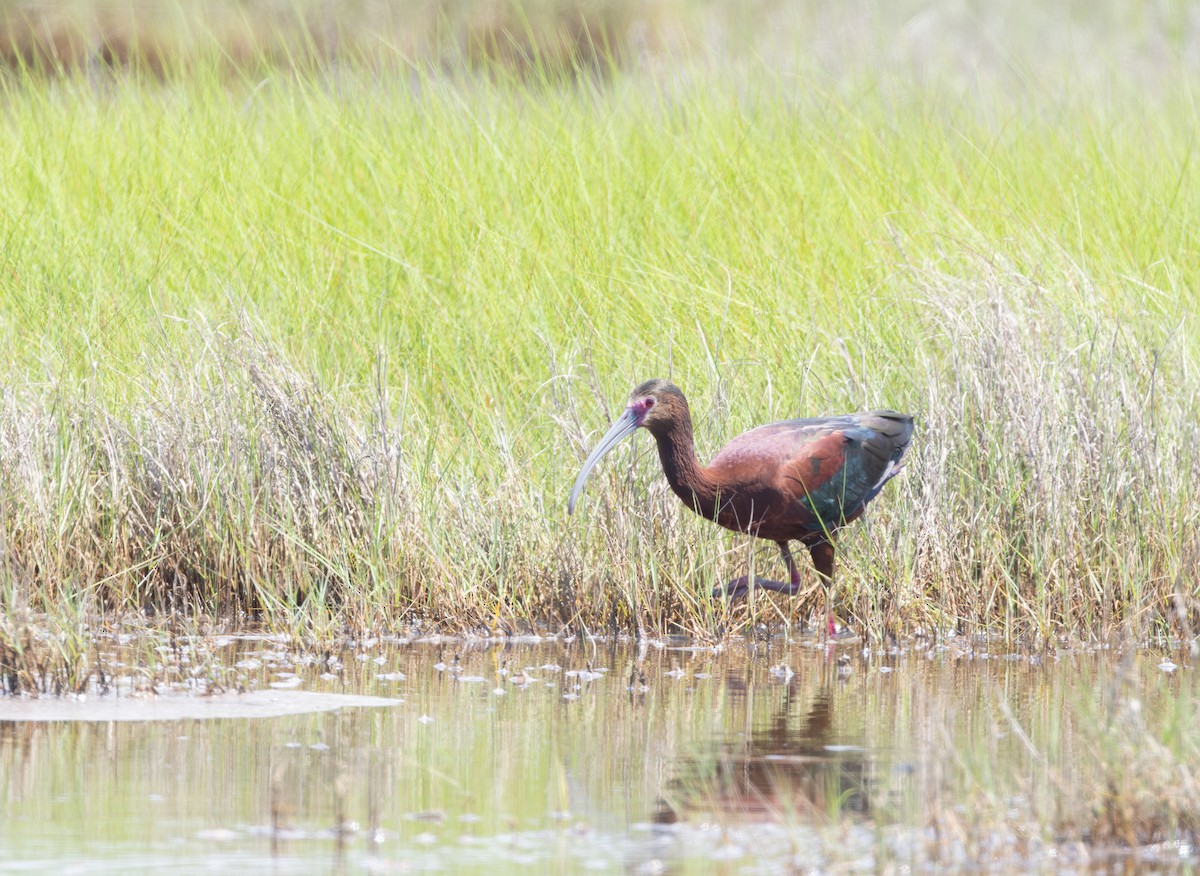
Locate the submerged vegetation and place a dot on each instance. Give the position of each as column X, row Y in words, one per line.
column 323, row 347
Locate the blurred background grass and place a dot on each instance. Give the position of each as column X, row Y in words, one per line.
column 942, row 44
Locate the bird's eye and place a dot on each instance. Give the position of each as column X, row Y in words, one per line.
column 649, row 403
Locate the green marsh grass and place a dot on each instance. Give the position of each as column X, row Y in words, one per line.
column 326, row 351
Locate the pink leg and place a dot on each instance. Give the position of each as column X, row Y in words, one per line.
column 822, row 557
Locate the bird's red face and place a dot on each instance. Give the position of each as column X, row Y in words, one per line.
column 641, row 407
column 657, row 405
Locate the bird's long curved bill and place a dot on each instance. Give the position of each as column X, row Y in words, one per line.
column 625, row 425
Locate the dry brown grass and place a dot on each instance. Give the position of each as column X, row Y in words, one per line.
column 231, row 483
column 1052, row 489
column 549, row 38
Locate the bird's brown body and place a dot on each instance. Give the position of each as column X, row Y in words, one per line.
column 775, row 481
column 797, row 480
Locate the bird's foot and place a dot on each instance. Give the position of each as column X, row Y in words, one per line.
column 739, row 588
column 836, row 631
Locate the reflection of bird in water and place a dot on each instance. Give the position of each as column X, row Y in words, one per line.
column 786, row 769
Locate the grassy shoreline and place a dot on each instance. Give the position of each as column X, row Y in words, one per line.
column 332, row 357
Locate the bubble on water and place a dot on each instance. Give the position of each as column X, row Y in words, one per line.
column 391, row 676
column 727, row 852
column 217, row 834
column 1167, row 666
column 425, row 719
column 430, row 816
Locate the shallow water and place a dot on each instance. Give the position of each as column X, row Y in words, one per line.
column 588, row 756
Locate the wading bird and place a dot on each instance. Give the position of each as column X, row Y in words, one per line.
column 797, row 480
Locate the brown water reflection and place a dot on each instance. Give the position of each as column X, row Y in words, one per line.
column 597, row 756
column 795, row 766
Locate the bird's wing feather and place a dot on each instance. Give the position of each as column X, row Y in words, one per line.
column 831, row 467
column 774, row 443
column 872, row 450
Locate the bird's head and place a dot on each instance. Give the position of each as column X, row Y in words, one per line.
column 654, row 405
column 658, row 405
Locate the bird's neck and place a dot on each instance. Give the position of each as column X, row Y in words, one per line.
column 685, row 474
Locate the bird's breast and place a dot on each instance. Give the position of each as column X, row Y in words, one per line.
column 748, row 508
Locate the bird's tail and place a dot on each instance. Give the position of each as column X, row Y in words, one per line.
column 901, row 430
column 897, row 430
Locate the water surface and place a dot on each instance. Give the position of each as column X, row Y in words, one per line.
column 589, row 756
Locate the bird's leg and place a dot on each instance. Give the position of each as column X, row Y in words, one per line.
column 822, row 557
column 739, row 587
